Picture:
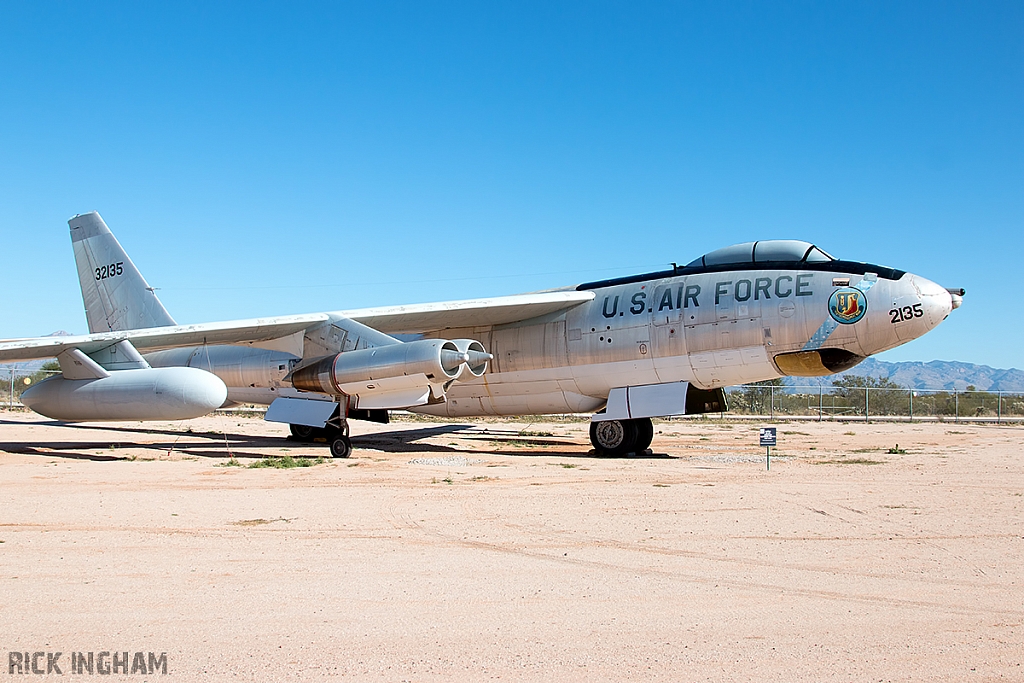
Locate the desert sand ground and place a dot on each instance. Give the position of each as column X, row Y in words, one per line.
column 502, row 550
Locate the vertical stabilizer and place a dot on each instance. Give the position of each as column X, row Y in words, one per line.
column 116, row 295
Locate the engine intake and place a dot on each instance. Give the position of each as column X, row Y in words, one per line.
column 816, row 363
column 477, row 357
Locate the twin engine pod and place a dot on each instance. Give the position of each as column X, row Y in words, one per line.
column 141, row 394
column 476, row 357
column 438, row 360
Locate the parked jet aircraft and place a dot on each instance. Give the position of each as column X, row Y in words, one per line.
column 626, row 349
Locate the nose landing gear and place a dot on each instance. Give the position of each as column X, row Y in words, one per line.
column 619, row 437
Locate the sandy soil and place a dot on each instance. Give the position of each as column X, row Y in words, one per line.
column 501, row 550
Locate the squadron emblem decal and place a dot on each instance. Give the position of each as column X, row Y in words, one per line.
column 847, row 305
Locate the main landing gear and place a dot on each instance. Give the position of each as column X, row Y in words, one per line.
column 336, row 438
column 335, row 433
column 619, row 437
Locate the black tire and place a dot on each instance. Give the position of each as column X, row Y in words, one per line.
column 341, row 447
column 613, row 437
column 303, row 432
column 644, row 434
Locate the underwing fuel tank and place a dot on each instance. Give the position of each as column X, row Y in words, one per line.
column 438, row 360
column 142, row 394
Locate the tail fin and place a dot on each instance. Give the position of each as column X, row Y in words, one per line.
column 116, row 295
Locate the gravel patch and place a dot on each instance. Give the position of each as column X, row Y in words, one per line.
column 447, row 461
column 737, row 458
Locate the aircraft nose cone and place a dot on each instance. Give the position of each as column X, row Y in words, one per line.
column 958, row 296
column 936, row 300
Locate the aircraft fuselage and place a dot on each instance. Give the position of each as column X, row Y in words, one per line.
column 711, row 329
column 716, row 328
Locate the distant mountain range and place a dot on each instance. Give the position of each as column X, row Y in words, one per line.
column 936, row 374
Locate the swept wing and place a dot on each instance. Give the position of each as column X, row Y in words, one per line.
column 253, row 332
column 445, row 315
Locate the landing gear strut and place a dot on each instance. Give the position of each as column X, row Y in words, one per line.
column 619, row 437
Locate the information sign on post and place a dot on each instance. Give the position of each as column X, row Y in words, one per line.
column 768, row 439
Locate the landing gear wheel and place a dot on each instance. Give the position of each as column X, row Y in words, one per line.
column 341, row 447
column 613, row 437
column 644, row 434
column 303, row 432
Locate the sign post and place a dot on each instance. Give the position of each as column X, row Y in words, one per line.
column 767, row 436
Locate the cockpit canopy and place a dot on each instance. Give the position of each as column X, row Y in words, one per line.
column 761, row 252
column 764, row 254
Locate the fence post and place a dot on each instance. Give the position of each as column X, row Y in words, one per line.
column 819, row 402
column 865, row 404
column 999, row 408
column 956, row 405
column 772, row 412
column 911, row 405
column 10, row 406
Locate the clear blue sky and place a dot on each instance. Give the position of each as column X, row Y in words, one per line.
column 260, row 159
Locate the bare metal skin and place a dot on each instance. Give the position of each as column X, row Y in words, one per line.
column 627, row 350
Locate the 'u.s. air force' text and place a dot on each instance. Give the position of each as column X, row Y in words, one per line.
column 685, row 296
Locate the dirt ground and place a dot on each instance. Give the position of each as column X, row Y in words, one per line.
column 505, row 551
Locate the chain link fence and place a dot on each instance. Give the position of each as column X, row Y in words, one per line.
column 824, row 402
column 15, row 380
column 821, row 402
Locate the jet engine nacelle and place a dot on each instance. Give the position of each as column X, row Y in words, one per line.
column 143, row 394
column 439, row 360
column 237, row 366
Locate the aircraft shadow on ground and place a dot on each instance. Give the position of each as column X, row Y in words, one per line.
column 237, row 444
column 399, row 441
column 79, row 450
column 137, row 430
column 538, row 447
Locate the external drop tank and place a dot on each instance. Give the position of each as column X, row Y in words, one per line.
column 142, row 394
